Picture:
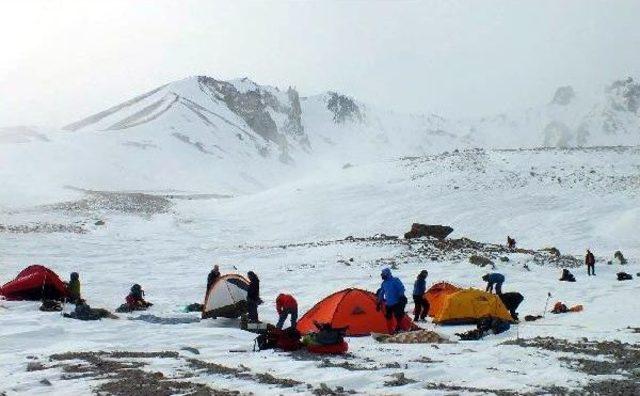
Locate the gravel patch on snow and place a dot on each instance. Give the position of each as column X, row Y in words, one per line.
column 429, row 249
column 42, row 228
column 123, row 202
column 621, row 360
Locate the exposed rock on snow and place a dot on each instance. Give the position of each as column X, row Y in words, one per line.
column 625, row 95
column 563, row 96
column 399, row 379
column 428, row 250
column 482, row 261
column 620, row 257
column 424, row 230
column 343, row 108
column 414, row 337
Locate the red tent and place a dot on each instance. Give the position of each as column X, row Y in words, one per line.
column 34, row 283
column 355, row 308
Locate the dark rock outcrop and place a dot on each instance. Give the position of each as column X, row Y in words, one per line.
column 625, row 95
column 343, row 108
column 424, row 230
column 563, row 96
column 618, row 255
column 481, row 261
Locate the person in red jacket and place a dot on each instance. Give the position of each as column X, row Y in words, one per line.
column 286, row 305
column 135, row 300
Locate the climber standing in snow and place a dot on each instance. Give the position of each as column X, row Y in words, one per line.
column 494, row 279
column 253, row 297
column 590, row 261
column 392, row 295
column 213, row 276
column 286, row 305
column 421, row 308
column 511, row 243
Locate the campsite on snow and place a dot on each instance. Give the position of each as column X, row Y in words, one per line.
column 322, row 237
column 209, row 235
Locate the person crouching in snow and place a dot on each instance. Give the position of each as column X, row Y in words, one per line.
column 73, row 289
column 494, row 279
column 135, row 299
column 421, row 308
column 392, row 295
column 286, row 305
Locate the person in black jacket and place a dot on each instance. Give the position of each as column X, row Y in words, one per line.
column 590, row 261
column 213, row 276
column 253, row 296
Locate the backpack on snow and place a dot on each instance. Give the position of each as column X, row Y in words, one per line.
column 50, row 306
column 263, row 341
column 287, row 340
column 328, row 335
column 622, row 276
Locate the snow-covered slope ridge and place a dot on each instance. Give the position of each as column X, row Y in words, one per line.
column 241, row 112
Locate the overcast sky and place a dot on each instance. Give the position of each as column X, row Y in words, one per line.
column 63, row 60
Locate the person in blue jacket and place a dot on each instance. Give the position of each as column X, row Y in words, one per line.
column 391, row 293
column 494, row 279
column 421, row 305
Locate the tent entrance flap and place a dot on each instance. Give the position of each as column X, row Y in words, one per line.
column 226, row 298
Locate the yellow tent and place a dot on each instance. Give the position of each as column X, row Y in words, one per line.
column 469, row 305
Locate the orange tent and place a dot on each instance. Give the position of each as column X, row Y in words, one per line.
column 437, row 295
column 352, row 308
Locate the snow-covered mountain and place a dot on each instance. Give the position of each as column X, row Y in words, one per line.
column 234, row 137
column 221, row 118
column 203, row 171
column 200, row 134
column 570, row 119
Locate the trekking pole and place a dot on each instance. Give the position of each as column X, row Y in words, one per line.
column 546, row 304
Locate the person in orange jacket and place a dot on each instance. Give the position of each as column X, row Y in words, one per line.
column 286, row 305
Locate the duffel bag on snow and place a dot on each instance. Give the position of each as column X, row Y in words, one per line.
column 333, row 349
column 287, row 340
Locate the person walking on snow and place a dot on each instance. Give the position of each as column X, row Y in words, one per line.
column 492, row 279
column 213, row 276
column 286, row 305
column 590, row 261
column 392, row 295
column 253, row 297
column 421, row 308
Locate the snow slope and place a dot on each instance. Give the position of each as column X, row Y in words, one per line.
column 202, row 171
column 570, row 199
